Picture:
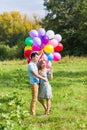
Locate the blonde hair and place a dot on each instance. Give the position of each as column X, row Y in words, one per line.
column 40, row 64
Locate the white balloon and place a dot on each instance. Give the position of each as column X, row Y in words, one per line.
column 58, row 37
column 50, row 34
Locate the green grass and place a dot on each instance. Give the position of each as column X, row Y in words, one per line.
column 69, row 102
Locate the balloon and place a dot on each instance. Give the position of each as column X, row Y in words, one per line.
column 53, row 42
column 36, row 48
column 50, row 34
column 48, row 64
column 57, row 56
column 41, row 32
column 50, row 56
column 48, row 48
column 33, row 33
column 29, row 41
column 45, row 39
column 28, row 48
column 27, row 53
column 44, row 57
column 58, row 37
column 37, row 41
column 28, row 60
column 59, row 47
column 43, row 45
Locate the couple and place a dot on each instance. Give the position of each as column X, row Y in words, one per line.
column 40, row 86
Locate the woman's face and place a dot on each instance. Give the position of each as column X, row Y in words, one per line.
column 43, row 64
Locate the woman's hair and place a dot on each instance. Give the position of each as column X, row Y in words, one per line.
column 40, row 64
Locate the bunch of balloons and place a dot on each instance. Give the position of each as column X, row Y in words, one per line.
column 47, row 41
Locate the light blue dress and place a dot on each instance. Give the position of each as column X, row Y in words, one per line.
column 45, row 90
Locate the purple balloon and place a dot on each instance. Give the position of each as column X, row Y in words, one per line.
column 41, row 32
column 37, row 41
column 33, row 33
column 45, row 39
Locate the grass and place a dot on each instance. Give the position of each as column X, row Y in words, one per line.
column 69, row 102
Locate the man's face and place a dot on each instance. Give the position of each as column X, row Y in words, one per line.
column 35, row 58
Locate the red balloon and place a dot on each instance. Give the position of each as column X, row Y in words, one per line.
column 28, row 60
column 59, row 47
column 27, row 53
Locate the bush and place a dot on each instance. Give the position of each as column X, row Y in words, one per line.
column 7, row 53
column 4, row 50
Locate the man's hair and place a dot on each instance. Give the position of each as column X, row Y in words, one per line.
column 33, row 54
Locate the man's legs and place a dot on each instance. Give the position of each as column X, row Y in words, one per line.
column 34, row 88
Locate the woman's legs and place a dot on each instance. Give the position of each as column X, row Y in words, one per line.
column 43, row 104
column 48, row 105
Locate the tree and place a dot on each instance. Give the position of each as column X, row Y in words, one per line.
column 70, row 20
column 14, row 27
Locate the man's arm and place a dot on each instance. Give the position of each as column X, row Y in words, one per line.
column 39, row 76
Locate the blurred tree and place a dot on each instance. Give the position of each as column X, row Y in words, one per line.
column 15, row 27
column 69, row 18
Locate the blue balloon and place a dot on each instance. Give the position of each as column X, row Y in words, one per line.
column 50, row 56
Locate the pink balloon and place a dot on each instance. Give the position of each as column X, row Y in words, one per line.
column 57, row 56
column 36, row 48
column 42, row 46
column 44, row 57
column 53, row 42
column 48, row 64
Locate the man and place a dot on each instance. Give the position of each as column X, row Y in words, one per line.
column 34, row 80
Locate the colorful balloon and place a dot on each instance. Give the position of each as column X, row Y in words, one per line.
column 37, row 41
column 53, row 42
column 48, row 64
column 50, row 34
column 44, row 57
column 27, row 53
column 50, row 56
column 57, row 56
column 58, row 37
column 29, row 41
column 41, row 32
column 48, row 48
column 27, row 48
column 36, row 48
column 45, row 39
column 59, row 47
column 33, row 33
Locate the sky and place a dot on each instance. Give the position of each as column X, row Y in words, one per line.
column 28, row 7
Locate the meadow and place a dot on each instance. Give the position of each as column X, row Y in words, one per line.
column 69, row 102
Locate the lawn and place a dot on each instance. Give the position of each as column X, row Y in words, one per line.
column 69, row 102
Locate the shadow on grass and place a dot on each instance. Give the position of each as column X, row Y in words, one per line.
column 19, row 78
column 70, row 74
column 6, row 99
column 68, row 78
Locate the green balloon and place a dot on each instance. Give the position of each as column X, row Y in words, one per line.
column 29, row 41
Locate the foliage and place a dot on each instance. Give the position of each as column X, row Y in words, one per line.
column 70, row 20
column 14, row 28
column 69, row 105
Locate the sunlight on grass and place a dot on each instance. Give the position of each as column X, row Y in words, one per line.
column 69, row 102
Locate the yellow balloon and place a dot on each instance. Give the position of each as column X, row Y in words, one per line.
column 48, row 48
column 28, row 48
